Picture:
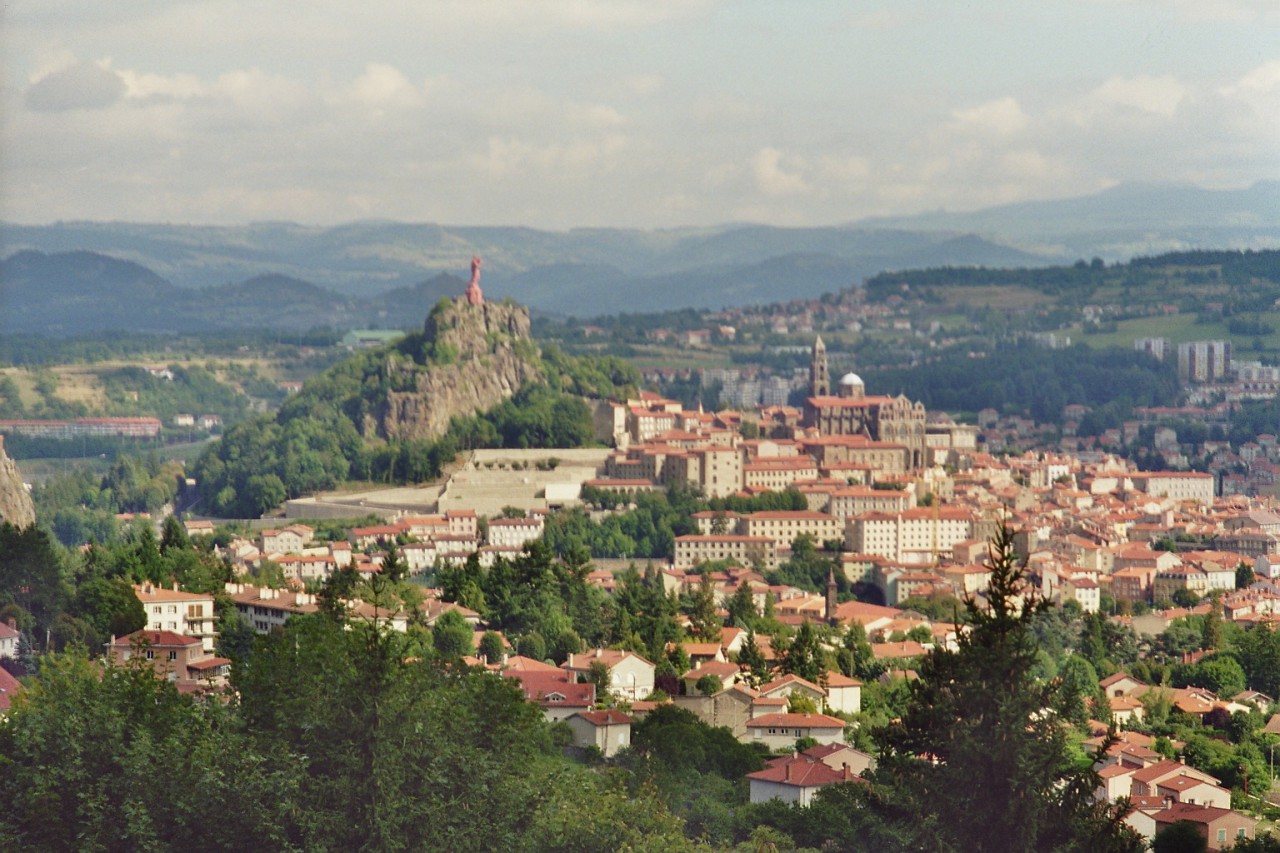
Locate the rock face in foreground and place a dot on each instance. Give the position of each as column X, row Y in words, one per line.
column 478, row 356
column 15, row 504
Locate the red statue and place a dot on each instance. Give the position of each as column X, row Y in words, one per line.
column 474, row 294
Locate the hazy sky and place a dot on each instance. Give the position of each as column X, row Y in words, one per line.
column 652, row 113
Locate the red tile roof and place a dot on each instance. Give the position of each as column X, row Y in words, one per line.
column 795, row 721
column 605, row 718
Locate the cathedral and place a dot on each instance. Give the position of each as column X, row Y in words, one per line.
column 852, row 412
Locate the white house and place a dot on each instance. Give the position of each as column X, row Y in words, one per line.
column 795, row 779
column 608, row 731
column 781, row 731
column 185, row 613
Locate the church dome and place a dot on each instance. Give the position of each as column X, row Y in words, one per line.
column 851, row 379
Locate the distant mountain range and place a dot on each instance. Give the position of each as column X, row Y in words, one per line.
column 126, row 275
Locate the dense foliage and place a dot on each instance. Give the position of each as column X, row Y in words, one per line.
column 339, row 740
column 1023, row 378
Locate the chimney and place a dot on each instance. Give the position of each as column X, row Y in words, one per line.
column 790, row 765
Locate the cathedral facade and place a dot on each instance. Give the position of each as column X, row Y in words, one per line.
column 851, row 411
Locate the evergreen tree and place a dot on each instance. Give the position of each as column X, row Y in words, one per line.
column 752, row 660
column 803, row 656
column 742, row 606
column 706, row 623
column 394, row 567
column 998, row 776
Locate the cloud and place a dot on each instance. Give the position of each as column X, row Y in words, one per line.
column 382, row 88
column 1002, row 117
column 81, row 86
column 1159, row 95
column 770, row 177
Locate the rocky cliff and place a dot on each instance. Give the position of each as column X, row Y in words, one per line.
column 15, row 504
column 476, row 356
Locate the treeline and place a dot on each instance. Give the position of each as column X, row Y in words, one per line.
column 33, row 351
column 1024, row 378
column 1050, row 280
column 1081, row 278
column 193, row 390
column 320, row 437
column 80, row 507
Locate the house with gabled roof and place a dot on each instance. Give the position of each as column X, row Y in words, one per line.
column 780, row 731
column 630, row 675
column 550, row 688
column 796, row 779
column 608, row 731
column 1147, row 780
column 728, row 673
column 172, row 656
column 1221, row 827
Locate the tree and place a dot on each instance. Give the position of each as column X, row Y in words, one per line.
column 394, row 568
column 1003, row 780
column 752, row 660
column 491, row 647
column 174, row 536
column 1180, row 837
column 742, row 606
column 598, row 674
column 706, row 623
column 452, row 636
column 1244, row 576
column 87, row 736
column 803, row 656
column 709, row 685
column 1211, row 627
column 109, row 607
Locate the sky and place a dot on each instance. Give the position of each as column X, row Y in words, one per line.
column 621, row 113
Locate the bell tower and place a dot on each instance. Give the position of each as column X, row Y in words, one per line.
column 819, row 379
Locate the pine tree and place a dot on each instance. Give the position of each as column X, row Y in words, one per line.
column 742, row 606
column 979, row 760
column 753, row 661
column 804, row 656
column 706, row 622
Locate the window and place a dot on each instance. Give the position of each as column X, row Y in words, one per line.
column 173, row 655
column 1222, row 835
column 151, row 654
column 1241, row 833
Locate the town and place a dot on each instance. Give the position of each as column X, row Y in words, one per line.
column 815, row 557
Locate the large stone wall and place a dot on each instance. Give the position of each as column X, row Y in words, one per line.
column 486, row 347
column 15, row 504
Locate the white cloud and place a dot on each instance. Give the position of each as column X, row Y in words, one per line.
column 1002, row 117
column 382, row 88
column 1160, row 95
column 771, row 178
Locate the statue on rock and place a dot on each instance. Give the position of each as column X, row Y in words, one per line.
column 474, row 295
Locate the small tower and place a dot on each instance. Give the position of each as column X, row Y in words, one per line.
column 819, row 379
column 831, row 597
column 475, row 296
